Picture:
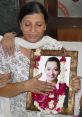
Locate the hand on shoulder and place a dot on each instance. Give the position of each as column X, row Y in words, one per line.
column 8, row 43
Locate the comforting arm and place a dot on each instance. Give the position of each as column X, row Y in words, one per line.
column 12, row 89
column 8, row 43
column 8, row 89
column 32, row 85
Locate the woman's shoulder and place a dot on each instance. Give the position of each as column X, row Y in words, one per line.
column 52, row 43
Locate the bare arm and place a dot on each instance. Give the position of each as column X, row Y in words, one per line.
column 4, row 79
column 32, row 85
column 8, row 89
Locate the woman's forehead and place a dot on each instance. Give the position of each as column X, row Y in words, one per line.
column 33, row 17
column 51, row 63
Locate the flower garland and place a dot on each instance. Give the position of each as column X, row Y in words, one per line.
column 52, row 102
column 63, row 69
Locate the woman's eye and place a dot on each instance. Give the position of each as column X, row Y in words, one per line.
column 39, row 25
column 27, row 24
column 56, row 69
column 48, row 69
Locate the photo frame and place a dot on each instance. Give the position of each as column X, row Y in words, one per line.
column 71, row 8
column 68, row 70
column 63, row 8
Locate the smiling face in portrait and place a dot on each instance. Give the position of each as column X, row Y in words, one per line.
column 51, row 71
column 33, row 27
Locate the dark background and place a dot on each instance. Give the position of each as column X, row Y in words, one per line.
column 8, row 15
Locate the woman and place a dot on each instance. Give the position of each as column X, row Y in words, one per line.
column 52, row 69
column 33, row 19
column 50, row 103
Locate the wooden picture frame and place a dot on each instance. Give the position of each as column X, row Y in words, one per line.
column 68, row 65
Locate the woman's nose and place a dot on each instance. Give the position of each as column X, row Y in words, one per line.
column 33, row 29
column 51, row 72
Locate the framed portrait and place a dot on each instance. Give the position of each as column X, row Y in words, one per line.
column 58, row 66
column 71, row 8
column 63, row 8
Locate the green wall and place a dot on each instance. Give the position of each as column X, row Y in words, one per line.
column 8, row 15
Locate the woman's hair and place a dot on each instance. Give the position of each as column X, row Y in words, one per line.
column 53, row 59
column 31, row 8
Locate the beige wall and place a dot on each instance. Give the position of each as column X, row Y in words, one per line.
column 77, row 46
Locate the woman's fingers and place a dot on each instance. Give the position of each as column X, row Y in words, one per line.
column 10, row 50
column 76, row 84
column 44, row 84
column 37, row 86
column 8, row 43
column 46, row 87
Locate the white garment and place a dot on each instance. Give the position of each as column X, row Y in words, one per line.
column 4, row 107
column 46, row 43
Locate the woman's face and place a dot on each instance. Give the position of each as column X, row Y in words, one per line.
column 51, row 71
column 33, row 27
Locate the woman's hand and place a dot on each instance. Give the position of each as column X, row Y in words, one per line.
column 75, row 84
column 8, row 43
column 37, row 86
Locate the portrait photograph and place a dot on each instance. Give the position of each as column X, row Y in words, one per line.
column 57, row 67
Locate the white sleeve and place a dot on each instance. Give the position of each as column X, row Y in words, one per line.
column 5, row 107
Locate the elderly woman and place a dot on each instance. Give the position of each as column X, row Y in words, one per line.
column 14, row 69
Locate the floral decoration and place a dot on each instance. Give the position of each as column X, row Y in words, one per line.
column 36, row 59
column 52, row 102
column 63, row 69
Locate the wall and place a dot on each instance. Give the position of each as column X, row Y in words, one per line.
column 8, row 15
column 77, row 46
